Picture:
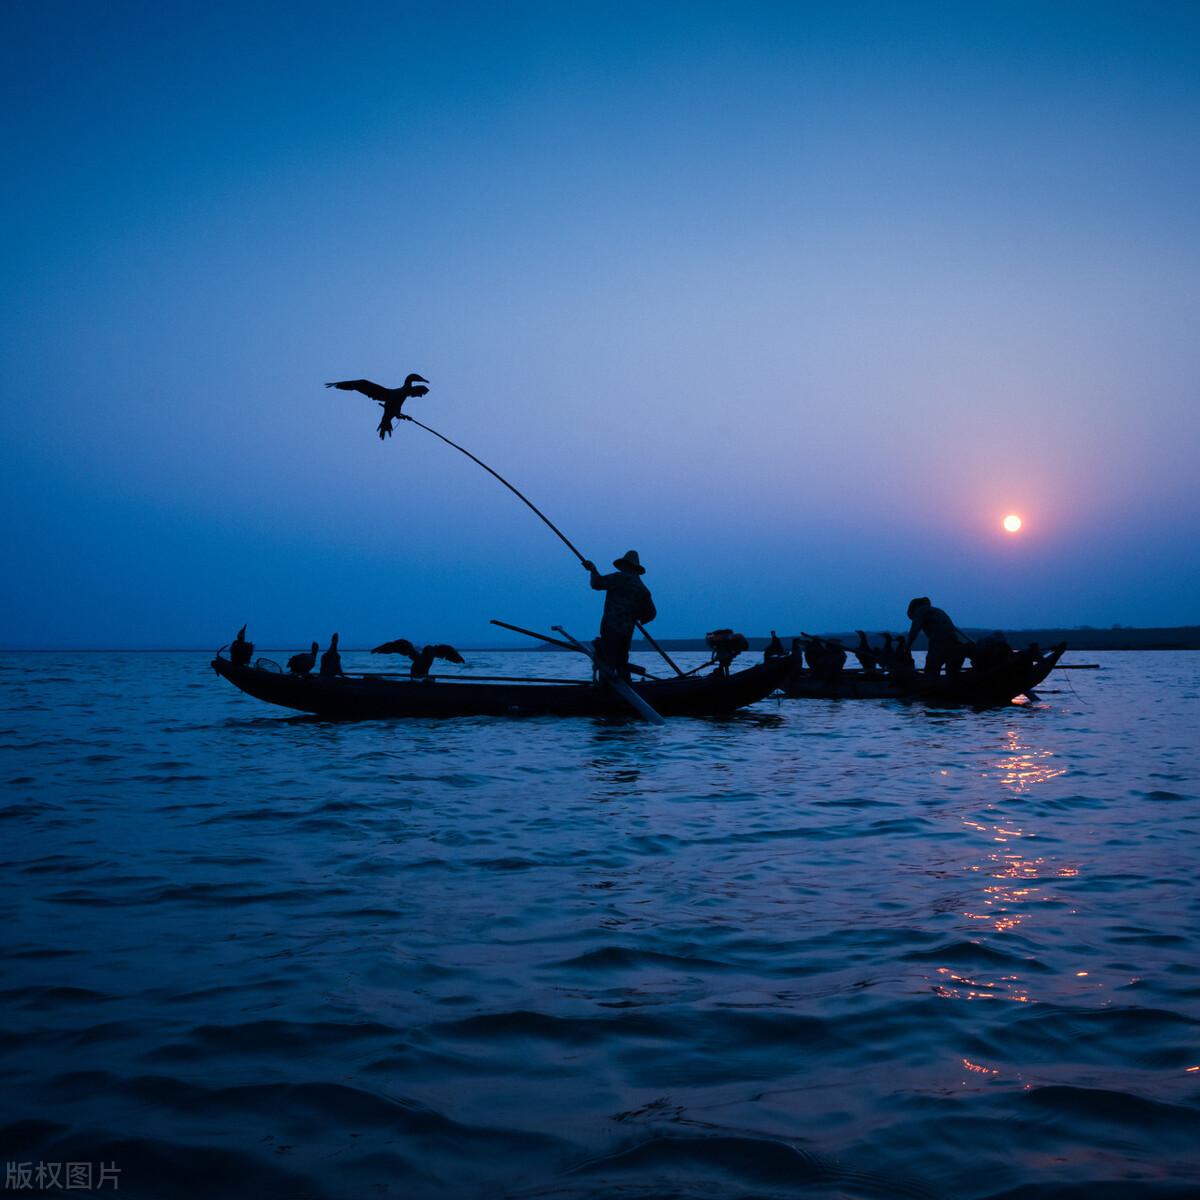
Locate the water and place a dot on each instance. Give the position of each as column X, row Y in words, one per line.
column 817, row 949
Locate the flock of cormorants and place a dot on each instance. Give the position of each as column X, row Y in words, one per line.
column 241, row 652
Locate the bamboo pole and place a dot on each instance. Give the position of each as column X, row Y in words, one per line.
column 566, row 541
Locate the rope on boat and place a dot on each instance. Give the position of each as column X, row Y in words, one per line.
column 1075, row 693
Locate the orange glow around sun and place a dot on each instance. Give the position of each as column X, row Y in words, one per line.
column 1012, row 523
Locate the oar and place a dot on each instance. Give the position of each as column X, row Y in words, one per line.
column 670, row 661
column 565, row 645
column 614, row 681
column 541, row 637
column 562, row 537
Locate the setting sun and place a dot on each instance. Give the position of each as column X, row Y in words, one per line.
column 1012, row 523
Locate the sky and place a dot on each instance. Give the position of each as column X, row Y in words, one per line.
column 797, row 300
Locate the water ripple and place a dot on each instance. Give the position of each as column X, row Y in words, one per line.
column 817, row 950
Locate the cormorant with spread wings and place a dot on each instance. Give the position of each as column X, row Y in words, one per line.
column 422, row 660
column 392, row 399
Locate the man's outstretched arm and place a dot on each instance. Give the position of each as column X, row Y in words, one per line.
column 599, row 582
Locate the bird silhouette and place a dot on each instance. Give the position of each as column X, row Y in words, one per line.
column 422, row 660
column 392, row 399
column 331, row 660
column 241, row 651
column 868, row 659
column 774, row 648
column 302, row 664
column 399, row 646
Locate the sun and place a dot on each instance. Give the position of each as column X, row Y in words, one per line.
column 1012, row 523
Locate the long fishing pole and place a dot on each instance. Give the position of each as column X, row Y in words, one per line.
column 562, row 537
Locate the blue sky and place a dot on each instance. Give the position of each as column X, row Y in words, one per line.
column 797, row 300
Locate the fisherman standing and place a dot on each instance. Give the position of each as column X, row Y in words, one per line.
column 947, row 647
column 627, row 603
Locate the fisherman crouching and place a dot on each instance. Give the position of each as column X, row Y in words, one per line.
column 947, row 646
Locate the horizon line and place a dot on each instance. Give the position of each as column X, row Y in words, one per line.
column 522, row 646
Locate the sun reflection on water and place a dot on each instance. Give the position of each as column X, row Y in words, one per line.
column 1014, row 874
column 963, row 987
column 1021, row 768
column 971, row 1066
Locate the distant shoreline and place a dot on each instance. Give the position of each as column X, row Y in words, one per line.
column 1172, row 637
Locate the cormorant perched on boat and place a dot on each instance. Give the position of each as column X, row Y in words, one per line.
column 990, row 652
column 392, row 399
column 422, row 659
column 399, row 646
column 240, row 650
column 889, row 654
column 774, row 648
column 902, row 659
column 331, row 660
column 826, row 658
column 867, row 658
column 302, row 664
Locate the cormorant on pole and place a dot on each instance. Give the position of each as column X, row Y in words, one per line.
column 392, row 399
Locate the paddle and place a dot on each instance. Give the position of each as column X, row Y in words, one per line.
column 670, row 661
column 541, row 637
column 614, row 681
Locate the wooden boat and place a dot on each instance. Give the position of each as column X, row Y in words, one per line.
column 1018, row 677
column 374, row 696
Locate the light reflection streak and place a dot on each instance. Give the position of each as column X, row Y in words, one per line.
column 966, row 1062
column 1022, row 768
column 962, row 987
column 1014, row 876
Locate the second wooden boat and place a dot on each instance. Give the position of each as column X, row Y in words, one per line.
column 1018, row 677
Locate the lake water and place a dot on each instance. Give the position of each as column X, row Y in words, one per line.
column 818, row 949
